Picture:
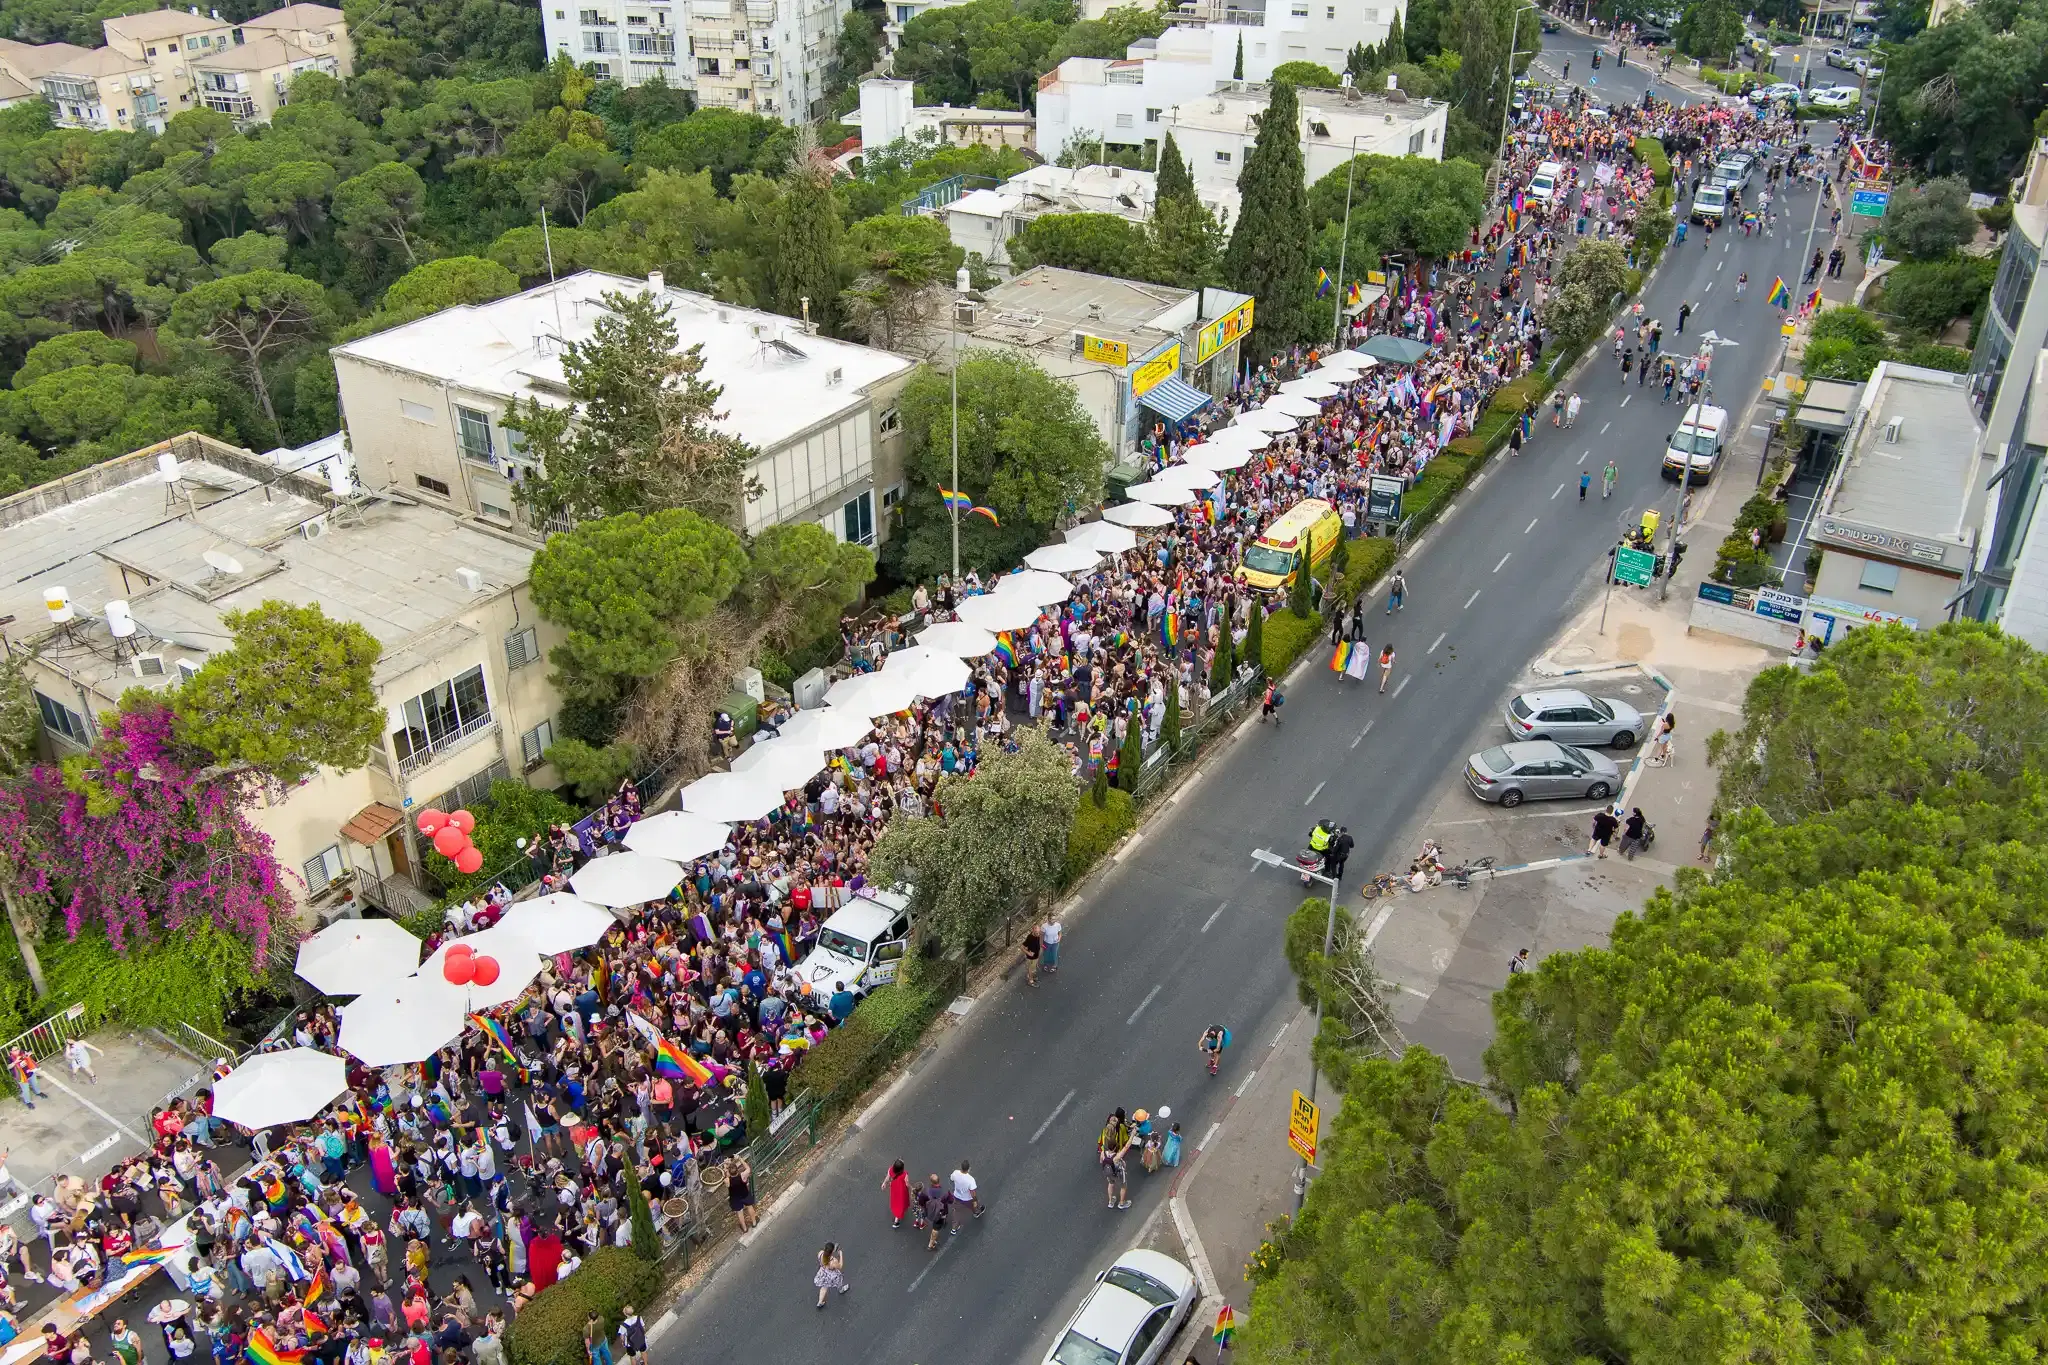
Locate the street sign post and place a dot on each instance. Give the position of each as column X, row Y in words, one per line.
column 1303, row 1122
column 1869, row 203
column 1634, row 566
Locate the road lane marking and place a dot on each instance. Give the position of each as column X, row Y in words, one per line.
column 1213, row 914
column 1709, row 289
column 1057, row 1110
column 1360, row 737
column 1210, row 1136
column 1434, row 643
column 1503, row 561
column 1246, row 1083
column 1604, row 426
column 1625, row 398
column 1317, row 792
column 1553, row 498
column 1532, row 521
column 1150, row 996
column 1400, row 687
column 945, row 1243
column 1470, row 600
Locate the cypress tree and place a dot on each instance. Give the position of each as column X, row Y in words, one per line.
column 755, row 1106
column 1270, row 249
column 1098, row 790
column 1300, row 600
column 1395, row 50
column 1169, row 725
column 1225, row 664
column 1237, row 72
column 808, row 231
column 646, row 1241
column 1255, row 638
column 1176, row 183
column 1359, row 62
column 1132, row 756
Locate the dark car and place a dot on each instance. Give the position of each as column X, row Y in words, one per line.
column 1549, row 24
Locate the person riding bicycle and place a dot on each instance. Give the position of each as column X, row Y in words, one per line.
column 1214, row 1039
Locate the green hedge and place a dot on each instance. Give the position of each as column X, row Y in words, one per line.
column 1738, row 562
column 1287, row 635
column 1096, row 830
column 1651, row 153
column 854, row 1054
column 549, row 1330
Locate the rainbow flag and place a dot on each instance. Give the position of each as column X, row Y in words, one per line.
column 1780, row 297
column 437, row 1111
column 498, row 1035
column 957, row 502
column 1323, row 285
column 785, row 945
column 1169, row 626
column 147, row 1255
column 262, row 1350
column 1004, row 650
column 678, row 1065
column 1812, row 303
column 988, row 512
column 1353, row 294
column 1226, row 1326
column 1341, row 659
column 1514, row 217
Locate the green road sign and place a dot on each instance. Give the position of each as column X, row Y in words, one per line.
column 1633, row 566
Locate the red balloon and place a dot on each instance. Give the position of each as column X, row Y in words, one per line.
column 470, row 860
column 463, row 821
column 431, row 821
column 485, row 971
column 461, row 950
column 458, row 971
column 450, row 841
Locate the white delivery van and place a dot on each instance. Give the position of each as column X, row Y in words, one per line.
column 862, row 944
column 1544, row 185
column 1702, row 434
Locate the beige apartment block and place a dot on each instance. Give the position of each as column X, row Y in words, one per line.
column 95, row 88
column 147, row 554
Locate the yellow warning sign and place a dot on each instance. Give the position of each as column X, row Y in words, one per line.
column 1303, row 1123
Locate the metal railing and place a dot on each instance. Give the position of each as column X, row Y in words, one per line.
column 1223, row 708
column 446, row 744
column 48, row 1038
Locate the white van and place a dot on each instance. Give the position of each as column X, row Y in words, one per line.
column 1543, row 185
column 1701, row 436
column 862, row 944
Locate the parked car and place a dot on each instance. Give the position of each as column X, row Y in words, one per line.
column 1130, row 1316
column 1781, row 93
column 1838, row 57
column 1835, row 98
column 1870, row 68
column 1540, row 770
column 1574, row 717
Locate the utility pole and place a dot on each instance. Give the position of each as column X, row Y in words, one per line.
column 1344, row 243
column 1507, row 94
column 1271, row 859
column 963, row 281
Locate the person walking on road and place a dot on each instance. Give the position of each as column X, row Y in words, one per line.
column 965, row 1189
column 1111, row 1149
column 1397, row 591
column 1519, row 963
column 1335, row 855
column 1386, row 665
column 1033, row 946
column 1604, row 825
column 1049, row 935
column 1607, row 478
column 1585, row 482
column 1684, row 312
column 831, row 1272
column 1571, row 410
column 1741, row 283
column 931, row 1203
column 897, row 1183
column 78, row 1054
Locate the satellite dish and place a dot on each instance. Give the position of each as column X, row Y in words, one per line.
column 220, row 561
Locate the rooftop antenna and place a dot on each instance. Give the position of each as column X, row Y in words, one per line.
column 548, row 246
column 221, row 562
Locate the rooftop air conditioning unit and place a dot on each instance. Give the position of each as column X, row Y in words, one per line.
column 470, row 579
column 834, row 376
column 187, row 670
column 1891, row 430
column 314, row 529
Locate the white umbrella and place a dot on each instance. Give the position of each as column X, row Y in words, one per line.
column 1290, row 405
column 1036, row 585
column 957, row 638
column 1265, row 419
column 1103, row 537
column 618, row 880
column 677, row 835
column 1220, row 457
column 731, row 796
column 1138, row 515
column 931, row 672
column 1347, row 360
column 280, row 1087
column 782, row 762
column 1063, row 557
column 517, row 956
column 558, row 923
column 1161, row 494
column 351, row 956
column 826, row 727
column 1232, row 438
column 1193, row 476
column 405, row 1021
column 871, row 694
column 999, row 610
column 1312, row 386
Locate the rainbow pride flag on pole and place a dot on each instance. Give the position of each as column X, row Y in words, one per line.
column 957, row 502
column 1005, row 650
column 262, row 1350
column 1781, row 297
column 1323, row 285
column 1226, row 1326
column 671, row 1061
column 498, row 1035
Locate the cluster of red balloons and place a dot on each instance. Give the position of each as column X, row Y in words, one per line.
column 450, row 835
column 465, row 965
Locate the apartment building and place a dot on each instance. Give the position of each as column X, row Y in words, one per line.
column 769, row 57
column 1216, row 131
column 157, row 64
column 424, row 404
column 983, row 221
column 120, row 577
column 889, row 113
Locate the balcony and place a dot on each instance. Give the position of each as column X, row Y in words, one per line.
column 447, row 743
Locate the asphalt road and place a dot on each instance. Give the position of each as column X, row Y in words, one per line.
column 1185, row 930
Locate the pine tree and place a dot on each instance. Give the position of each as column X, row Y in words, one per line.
column 1169, row 726
column 808, row 233
column 1394, row 51
column 1237, row 72
column 1255, row 638
column 646, row 1241
column 1176, row 183
column 1359, row 63
column 1224, row 667
column 1098, row 791
column 1269, row 251
column 1132, row 756
column 1300, row 598
column 754, row 1108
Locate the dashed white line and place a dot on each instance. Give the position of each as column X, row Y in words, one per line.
column 1359, row 738
column 1532, row 521
column 945, row 1243
column 1470, row 600
column 1721, row 267
column 1504, row 560
column 1604, row 426
column 1317, row 792
column 1434, row 643
column 1401, row 686
column 1553, row 498
column 1057, row 1110
column 1150, row 996
column 1709, row 289
column 1246, row 1083
column 1212, row 916
column 1625, row 398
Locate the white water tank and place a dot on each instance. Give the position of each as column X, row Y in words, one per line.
column 57, row 600
column 120, row 620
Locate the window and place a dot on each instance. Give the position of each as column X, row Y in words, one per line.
column 533, row 745
column 1125, row 121
column 522, row 647
column 857, row 520
column 434, row 486
column 438, row 718
column 561, row 14
column 1330, row 12
column 1223, row 158
column 890, row 422
column 601, row 71
column 60, row 719
column 594, row 41
column 588, row 18
column 493, row 511
column 1415, row 143
column 152, row 52
column 473, row 434
column 472, row 790
column 1879, row 576
column 1152, row 116
column 418, row 412
column 892, row 498
column 322, row 868
column 905, row 13
column 707, row 66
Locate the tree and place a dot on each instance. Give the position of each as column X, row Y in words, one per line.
column 1099, row 243
column 1718, row 1136
column 902, row 261
column 808, row 244
column 1930, row 220
column 1422, row 207
column 381, row 208
column 860, row 45
column 1314, row 75
column 638, row 433
column 1027, row 449
column 1169, row 724
column 1269, row 250
column 249, row 252
column 627, row 590
column 1300, row 593
column 1709, row 30
column 1175, row 183
column 646, row 1241
column 724, row 142
column 755, row 1106
column 1186, row 247
column 1423, row 36
column 1130, row 757
column 292, row 195
column 449, row 282
column 595, row 772
column 1927, row 296
column 1254, row 651
column 252, row 319
column 1483, row 29
column 1962, row 97
column 999, row 842
column 1237, row 67
column 1223, row 667
column 292, row 693
column 20, row 722
column 1586, row 285
column 70, row 351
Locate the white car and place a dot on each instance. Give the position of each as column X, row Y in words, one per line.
column 1835, row 97
column 1869, row 68
column 1131, row 1314
column 1781, row 93
column 860, row 946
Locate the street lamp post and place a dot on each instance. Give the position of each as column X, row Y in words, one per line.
column 1272, row 859
column 963, row 281
column 1507, row 94
column 1344, row 244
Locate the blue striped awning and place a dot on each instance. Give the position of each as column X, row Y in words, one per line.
column 1174, row 399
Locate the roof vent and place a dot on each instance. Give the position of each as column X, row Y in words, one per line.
column 833, row 376
column 470, row 579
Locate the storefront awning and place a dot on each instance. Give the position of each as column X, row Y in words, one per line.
column 372, row 823
column 1174, row 399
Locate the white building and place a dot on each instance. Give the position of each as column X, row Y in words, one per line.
column 1216, row 131
column 984, row 221
column 767, row 57
column 897, row 13
column 424, row 403
column 889, row 114
column 1119, row 102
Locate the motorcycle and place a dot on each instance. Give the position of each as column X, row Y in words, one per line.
column 1309, row 862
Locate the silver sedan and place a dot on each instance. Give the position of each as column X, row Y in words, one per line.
column 1538, row 770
